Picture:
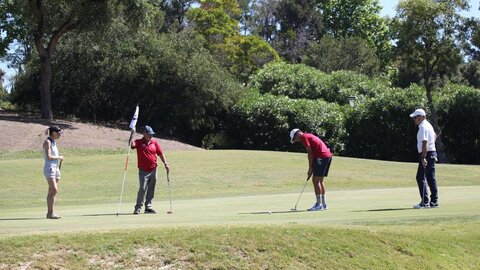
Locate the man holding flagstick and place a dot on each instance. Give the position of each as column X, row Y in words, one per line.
column 147, row 151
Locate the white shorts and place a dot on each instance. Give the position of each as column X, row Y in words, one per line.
column 52, row 172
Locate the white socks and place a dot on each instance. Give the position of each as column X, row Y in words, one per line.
column 321, row 199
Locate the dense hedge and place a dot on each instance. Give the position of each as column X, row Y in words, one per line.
column 380, row 128
column 459, row 120
column 300, row 81
column 377, row 128
column 264, row 122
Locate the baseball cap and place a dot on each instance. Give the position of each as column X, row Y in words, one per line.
column 292, row 134
column 418, row 112
column 55, row 129
column 148, row 130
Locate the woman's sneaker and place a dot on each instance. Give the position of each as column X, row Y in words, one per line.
column 316, row 207
column 53, row 216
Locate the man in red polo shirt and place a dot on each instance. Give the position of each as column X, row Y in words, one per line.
column 147, row 151
column 319, row 160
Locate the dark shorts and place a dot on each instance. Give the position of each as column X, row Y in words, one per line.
column 321, row 166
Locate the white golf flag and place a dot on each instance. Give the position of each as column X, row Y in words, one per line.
column 133, row 123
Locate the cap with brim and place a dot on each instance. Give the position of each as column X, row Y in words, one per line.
column 55, row 129
column 418, row 112
column 149, row 130
column 292, row 134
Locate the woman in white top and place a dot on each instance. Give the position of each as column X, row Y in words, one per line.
column 51, row 170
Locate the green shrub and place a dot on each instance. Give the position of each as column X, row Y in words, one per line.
column 459, row 120
column 380, row 127
column 264, row 122
column 299, row 81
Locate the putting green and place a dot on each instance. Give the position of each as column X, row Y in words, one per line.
column 367, row 206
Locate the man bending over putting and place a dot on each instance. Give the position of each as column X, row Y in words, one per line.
column 147, row 151
column 319, row 160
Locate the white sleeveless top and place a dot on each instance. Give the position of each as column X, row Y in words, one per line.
column 53, row 151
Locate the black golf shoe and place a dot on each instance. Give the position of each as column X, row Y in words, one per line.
column 150, row 211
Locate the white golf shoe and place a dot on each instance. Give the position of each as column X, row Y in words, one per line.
column 420, row 206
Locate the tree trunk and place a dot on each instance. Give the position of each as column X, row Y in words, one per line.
column 442, row 157
column 45, row 80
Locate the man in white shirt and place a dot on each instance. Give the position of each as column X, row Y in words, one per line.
column 428, row 157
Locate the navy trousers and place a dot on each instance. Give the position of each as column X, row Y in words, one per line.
column 428, row 173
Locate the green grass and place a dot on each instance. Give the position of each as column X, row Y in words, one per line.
column 35, row 154
column 444, row 246
column 92, row 179
column 221, row 219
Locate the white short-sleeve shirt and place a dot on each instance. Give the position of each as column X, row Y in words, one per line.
column 426, row 133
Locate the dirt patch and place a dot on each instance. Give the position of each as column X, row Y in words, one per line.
column 23, row 132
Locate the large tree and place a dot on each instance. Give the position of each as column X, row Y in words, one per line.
column 357, row 18
column 289, row 26
column 300, row 25
column 175, row 14
column 46, row 22
column 217, row 21
column 16, row 41
column 427, row 45
column 343, row 53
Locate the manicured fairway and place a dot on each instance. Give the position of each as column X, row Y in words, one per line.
column 379, row 206
column 221, row 215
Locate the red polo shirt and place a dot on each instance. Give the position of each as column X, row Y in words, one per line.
column 147, row 154
column 319, row 149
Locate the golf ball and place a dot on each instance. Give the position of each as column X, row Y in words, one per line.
column 269, row 212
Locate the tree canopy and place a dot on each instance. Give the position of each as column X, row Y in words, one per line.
column 237, row 72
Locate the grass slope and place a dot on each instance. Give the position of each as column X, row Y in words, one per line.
column 444, row 246
column 221, row 215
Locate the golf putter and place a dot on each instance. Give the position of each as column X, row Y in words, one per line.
column 303, row 189
column 169, row 193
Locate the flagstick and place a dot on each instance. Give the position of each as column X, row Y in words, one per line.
column 124, row 176
column 132, row 125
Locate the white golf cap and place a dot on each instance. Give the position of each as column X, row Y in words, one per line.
column 292, row 134
column 418, row 112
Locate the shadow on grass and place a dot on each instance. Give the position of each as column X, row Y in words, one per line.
column 385, row 209
column 272, row 212
column 21, row 218
column 107, row 214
